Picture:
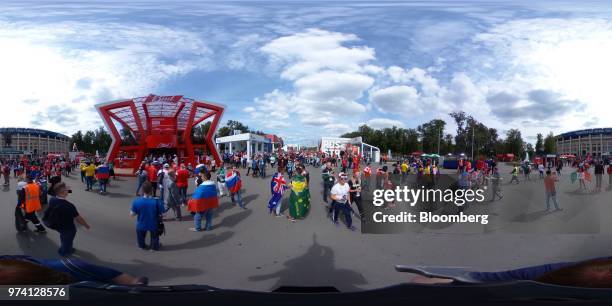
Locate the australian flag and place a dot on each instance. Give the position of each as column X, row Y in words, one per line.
column 233, row 182
column 277, row 187
column 204, row 198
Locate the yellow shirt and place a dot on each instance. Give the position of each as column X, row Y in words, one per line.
column 404, row 168
column 90, row 170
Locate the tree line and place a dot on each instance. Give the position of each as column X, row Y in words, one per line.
column 471, row 136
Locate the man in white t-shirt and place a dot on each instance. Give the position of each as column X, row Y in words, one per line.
column 341, row 201
column 541, row 169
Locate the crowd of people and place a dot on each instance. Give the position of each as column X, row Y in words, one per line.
column 162, row 186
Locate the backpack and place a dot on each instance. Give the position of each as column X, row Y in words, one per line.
column 51, row 217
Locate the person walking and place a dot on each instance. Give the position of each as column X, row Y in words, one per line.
column 148, row 211
column 341, row 197
column 495, row 185
column 234, row 186
column 221, row 180
column 152, row 173
column 262, row 167
column 205, row 199
column 62, row 216
column 6, row 172
column 355, row 191
column 609, row 174
column 327, row 176
column 278, row 185
column 515, row 174
column 103, row 175
column 599, row 171
column 30, row 203
column 142, row 176
column 182, row 182
column 551, row 192
column 90, row 171
column 173, row 197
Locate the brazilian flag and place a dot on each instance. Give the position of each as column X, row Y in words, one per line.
column 299, row 201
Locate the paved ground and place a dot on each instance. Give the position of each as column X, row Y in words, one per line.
column 248, row 249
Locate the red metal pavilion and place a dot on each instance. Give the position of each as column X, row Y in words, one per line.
column 158, row 125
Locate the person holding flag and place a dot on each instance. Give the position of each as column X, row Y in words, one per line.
column 299, row 201
column 277, row 188
column 102, row 175
column 202, row 203
column 234, row 184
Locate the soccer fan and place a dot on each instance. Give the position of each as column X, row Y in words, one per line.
column 203, row 202
column 148, row 211
column 61, row 216
column 340, row 195
column 234, row 184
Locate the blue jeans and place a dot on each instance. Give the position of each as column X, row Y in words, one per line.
column 66, row 240
column 346, row 209
column 183, row 194
column 238, row 198
column 141, row 235
column 141, row 181
column 552, row 195
column 102, row 185
column 161, row 193
column 197, row 220
column 89, row 181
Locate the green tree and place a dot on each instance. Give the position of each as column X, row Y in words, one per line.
column 431, row 134
column 230, row 126
column 77, row 138
column 539, row 146
column 514, row 142
column 550, row 144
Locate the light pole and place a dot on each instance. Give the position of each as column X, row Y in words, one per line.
column 439, row 136
column 472, row 142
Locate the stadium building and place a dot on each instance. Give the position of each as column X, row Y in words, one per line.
column 26, row 141
column 582, row 143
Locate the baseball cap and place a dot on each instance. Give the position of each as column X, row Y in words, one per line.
column 342, row 175
column 166, row 166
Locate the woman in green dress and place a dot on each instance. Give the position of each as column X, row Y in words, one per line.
column 299, row 201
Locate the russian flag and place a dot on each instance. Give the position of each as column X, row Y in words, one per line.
column 102, row 173
column 233, row 182
column 204, row 198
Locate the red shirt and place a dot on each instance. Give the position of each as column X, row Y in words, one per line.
column 182, row 178
column 152, row 173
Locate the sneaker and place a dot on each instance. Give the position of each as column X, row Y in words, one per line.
column 559, row 209
column 193, row 229
column 352, row 228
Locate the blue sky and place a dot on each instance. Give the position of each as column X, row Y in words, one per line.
column 305, row 69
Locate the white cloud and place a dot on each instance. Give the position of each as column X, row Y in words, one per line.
column 314, row 50
column 73, row 65
column 570, row 57
column 380, row 123
column 328, row 78
column 399, row 99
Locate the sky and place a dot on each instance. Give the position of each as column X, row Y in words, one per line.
column 306, row 69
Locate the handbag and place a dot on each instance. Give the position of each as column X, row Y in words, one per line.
column 161, row 227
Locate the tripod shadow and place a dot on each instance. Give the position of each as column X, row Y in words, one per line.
column 316, row 268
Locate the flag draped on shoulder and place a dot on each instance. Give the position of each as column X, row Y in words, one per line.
column 277, row 188
column 204, row 198
column 233, row 181
column 102, row 173
column 299, row 201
